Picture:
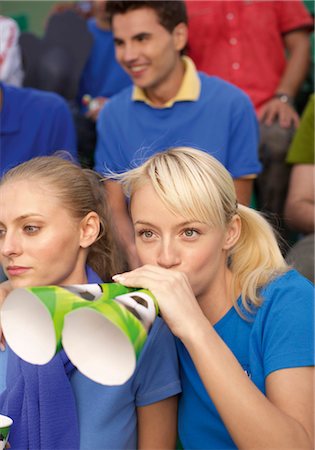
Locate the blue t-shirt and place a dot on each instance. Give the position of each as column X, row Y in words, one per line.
column 102, row 76
column 107, row 414
column 279, row 336
column 221, row 122
column 33, row 123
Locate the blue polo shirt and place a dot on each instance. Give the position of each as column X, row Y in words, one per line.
column 207, row 113
column 33, row 123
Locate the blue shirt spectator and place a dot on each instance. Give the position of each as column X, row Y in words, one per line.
column 33, row 123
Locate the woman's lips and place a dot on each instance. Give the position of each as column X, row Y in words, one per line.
column 16, row 270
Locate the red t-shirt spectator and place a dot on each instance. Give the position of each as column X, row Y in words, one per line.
column 241, row 41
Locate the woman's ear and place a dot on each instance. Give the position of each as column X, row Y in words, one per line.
column 89, row 229
column 233, row 232
column 180, row 36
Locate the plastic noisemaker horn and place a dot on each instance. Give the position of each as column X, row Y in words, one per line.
column 104, row 339
column 5, row 424
column 32, row 318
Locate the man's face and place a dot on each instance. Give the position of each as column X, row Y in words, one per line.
column 148, row 52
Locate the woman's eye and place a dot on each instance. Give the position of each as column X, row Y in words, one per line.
column 2, row 232
column 31, row 229
column 146, row 234
column 190, row 233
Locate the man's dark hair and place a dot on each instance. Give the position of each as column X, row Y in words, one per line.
column 169, row 12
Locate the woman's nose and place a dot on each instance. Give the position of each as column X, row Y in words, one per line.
column 10, row 245
column 168, row 256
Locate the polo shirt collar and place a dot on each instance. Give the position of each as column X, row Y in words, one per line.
column 189, row 89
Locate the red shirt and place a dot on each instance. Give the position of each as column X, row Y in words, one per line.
column 241, row 41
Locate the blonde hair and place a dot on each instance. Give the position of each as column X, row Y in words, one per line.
column 79, row 191
column 197, row 186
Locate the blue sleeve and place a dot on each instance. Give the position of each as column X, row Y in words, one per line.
column 110, row 153
column 288, row 324
column 104, row 156
column 100, row 165
column 157, row 375
column 63, row 134
column 244, row 139
column 3, row 369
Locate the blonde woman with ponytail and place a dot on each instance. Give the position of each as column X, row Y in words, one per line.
column 243, row 318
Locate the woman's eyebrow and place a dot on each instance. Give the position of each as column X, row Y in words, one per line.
column 30, row 214
column 182, row 224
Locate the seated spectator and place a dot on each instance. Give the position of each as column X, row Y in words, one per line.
column 263, row 48
column 300, row 202
column 33, row 123
column 170, row 104
column 102, row 77
column 55, row 62
column 11, row 71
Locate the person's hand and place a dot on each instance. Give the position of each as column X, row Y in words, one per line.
column 177, row 302
column 95, row 107
column 275, row 109
column 5, row 289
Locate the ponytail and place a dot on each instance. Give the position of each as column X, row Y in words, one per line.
column 256, row 258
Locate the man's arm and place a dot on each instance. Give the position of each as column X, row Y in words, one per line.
column 122, row 222
column 298, row 47
column 244, row 189
column 299, row 207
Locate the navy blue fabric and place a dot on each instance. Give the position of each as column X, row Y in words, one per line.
column 41, row 403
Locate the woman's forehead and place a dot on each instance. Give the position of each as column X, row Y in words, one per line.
column 23, row 194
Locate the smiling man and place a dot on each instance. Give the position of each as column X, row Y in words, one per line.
column 170, row 104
